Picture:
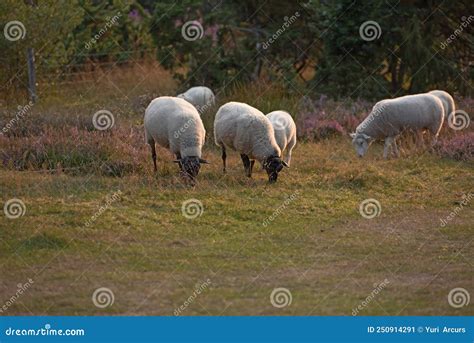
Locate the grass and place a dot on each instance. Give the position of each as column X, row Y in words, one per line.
column 318, row 245
column 304, row 233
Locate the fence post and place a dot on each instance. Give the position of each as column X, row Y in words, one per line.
column 30, row 55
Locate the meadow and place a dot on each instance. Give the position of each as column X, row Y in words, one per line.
column 96, row 216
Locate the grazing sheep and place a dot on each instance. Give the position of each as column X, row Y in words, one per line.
column 247, row 130
column 285, row 132
column 390, row 117
column 447, row 100
column 200, row 97
column 176, row 125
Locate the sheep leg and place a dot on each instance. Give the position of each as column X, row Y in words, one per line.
column 419, row 139
column 289, row 149
column 178, row 157
column 395, row 148
column 388, row 143
column 434, row 141
column 224, row 156
column 246, row 162
column 287, row 157
column 251, row 165
column 153, row 155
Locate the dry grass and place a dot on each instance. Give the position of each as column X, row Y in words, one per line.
column 319, row 247
column 151, row 256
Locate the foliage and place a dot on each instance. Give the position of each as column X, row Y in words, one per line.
column 234, row 46
column 459, row 147
column 48, row 24
column 69, row 36
column 408, row 57
column 311, row 47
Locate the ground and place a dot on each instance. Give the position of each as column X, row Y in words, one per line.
column 305, row 233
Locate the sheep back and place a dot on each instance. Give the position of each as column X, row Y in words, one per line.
column 447, row 100
column 390, row 117
column 200, row 96
column 175, row 124
column 283, row 126
column 245, row 129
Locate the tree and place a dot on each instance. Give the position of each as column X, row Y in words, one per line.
column 405, row 54
column 236, row 41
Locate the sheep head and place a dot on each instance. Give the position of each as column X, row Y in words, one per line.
column 190, row 166
column 273, row 165
column 361, row 143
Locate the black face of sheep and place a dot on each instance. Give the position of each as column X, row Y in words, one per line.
column 190, row 166
column 273, row 165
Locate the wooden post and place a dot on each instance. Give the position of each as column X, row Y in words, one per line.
column 30, row 55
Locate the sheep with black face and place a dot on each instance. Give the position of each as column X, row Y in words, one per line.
column 175, row 124
column 245, row 129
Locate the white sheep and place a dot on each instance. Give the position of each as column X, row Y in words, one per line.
column 245, row 129
column 390, row 117
column 285, row 132
column 200, row 97
column 176, row 125
column 447, row 100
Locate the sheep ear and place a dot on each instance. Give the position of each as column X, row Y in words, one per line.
column 285, row 164
column 366, row 136
column 353, row 134
column 203, row 161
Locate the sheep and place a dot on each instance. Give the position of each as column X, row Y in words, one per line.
column 200, row 97
column 390, row 117
column 176, row 125
column 245, row 129
column 447, row 101
column 285, row 132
